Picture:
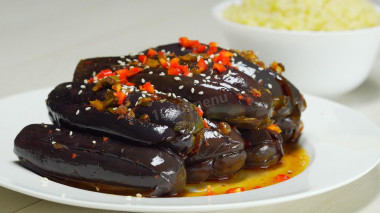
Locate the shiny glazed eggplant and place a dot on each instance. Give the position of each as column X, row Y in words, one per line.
column 263, row 148
column 219, row 156
column 103, row 164
column 229, row 95
column 141, row 117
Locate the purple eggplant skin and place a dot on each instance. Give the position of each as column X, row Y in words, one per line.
column 219, row 156
column 217, row 93
column 263, row 147
column 56, row 152
column 67, row 108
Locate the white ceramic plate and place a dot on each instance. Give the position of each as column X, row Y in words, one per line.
column 342, row 145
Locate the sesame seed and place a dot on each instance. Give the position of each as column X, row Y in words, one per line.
column 169, row 94
column 180, row 87
column 235, row 54
column 151, row 72
column 94, row 142
column 146, row 67
column 260, row 81
column 198, row 57
column 183, row 49
column 163, row 50
column 162, row 74
column 45, row 126
column 131, row 67
column 138, row 195
column 208, row 77
column 71, row 133
column 177, row 78
column 206, row 62
column 192, row 90
column 93, row 73
column 204, row 80
column 215, row 133
column 129, row 60
column 174, row 95
column 142, row 80
column 261, row 69
column 80, row 92
column 236, row 89
column 200, row 92
column 53, row 142
column 58, row 130
column 253, row 76
column 69, row 86
column 212, row 56
column 208, row 81
column 243, row 92
column 270, row 86
column 196, row 82
column 88, row 108
column 77, row 113
column 85, row 81
column 209, row 60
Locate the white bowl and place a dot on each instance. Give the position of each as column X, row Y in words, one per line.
column 321, row 63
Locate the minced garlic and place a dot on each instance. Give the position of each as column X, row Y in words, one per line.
column 305, row 15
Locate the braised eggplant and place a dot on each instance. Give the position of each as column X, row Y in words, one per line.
column 263, row 148
column 143, row 118
column 220, row 155
column 106, row 164
column 229, row 95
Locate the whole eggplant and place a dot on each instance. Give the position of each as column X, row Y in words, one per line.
column 229, row 96
column 144, row 119
column 103, row 163
column 219, row 156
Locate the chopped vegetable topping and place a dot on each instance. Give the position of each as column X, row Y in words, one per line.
column 202, row 66
column 200, row 111
column 219, row 67
column 151, row 52
column 142, row 58
column 281, row 177
column 147, row 87
column 234, row 190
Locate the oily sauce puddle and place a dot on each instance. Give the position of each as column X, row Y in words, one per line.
column 294, row 162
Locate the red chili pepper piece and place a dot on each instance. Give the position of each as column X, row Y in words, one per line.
column 200, row 111
column 121, row 96
column 142, row 58
column 213, row 48
column 147, row 87
column 281, row 177
column 202, row 66
column 200, row 48
column 173, row 71
column 219, row 67
column 73, row 156
column 234, row 190
column 104, row 73
column 205, row 124
column 185, row 42
column 151, row 52
column 133, row 71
